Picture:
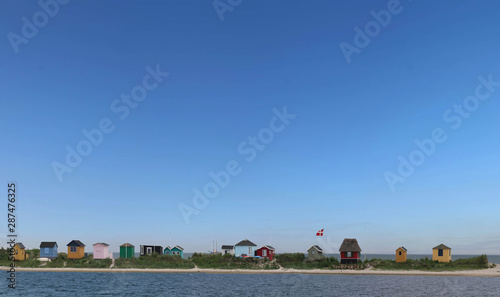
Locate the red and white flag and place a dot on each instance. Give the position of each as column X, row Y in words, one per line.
column 320, row 232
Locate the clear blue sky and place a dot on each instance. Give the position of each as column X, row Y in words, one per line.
column 324, row 170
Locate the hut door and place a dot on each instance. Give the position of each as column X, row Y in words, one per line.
column 149, row 250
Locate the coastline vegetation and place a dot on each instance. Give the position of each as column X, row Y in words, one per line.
column 86, row 262
column 425, row 264
column 219, row 261
column 154, row 261
column 299, row 261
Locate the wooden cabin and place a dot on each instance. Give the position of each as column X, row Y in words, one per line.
column 350, row 252
column 127, row 251
column 401, row 254
column 315, row 252
column 441, row 253
column 150, row 249
column 76, row 249
column 48, row 249
column 20, row 252
column 227, row 249
column 101, row 250
column 266, row 251
column 177, row 251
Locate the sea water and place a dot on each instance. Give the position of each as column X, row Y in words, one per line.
column 201, row 284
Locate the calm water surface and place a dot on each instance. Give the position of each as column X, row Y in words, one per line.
column 198, row 284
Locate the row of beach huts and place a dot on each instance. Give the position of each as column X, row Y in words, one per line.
column 76, row 250
column 350, row 251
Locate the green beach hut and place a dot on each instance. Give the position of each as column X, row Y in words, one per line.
column 127, row 251
column 177, row 251
column 174, row 251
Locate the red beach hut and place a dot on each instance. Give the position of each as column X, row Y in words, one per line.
column 350, row 252
column 266, row 251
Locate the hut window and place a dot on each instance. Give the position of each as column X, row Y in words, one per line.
column 348, row 254
column 72, row 249
column 46, row 250
column 264, row 253
column 312, row 252
column 440, row 252
column 400, row 253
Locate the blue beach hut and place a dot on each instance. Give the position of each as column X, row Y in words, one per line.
column 48, row 249
column 245, row 248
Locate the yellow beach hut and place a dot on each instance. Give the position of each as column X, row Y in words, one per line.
column 401, row 254
column 20, row 252
column 441, row 253
column 76, row 249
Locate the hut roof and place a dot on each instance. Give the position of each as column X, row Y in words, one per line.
column 126, row 245
column 48, row 244
column 441, row 246
column 245, row 242
column 228, row 247
column 178, row 247
column 21, row 246
column 350, row 245
column 101, row 243
column 75, row 243
column 317, row 248
column 267, row 247
column 403, row 248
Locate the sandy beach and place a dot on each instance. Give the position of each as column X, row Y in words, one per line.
column 490, row 272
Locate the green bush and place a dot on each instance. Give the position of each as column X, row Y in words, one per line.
column 299, row 261
column 28, row 263
column 88, row 262
column 228, row 261
column 153, row 261
column 479, row 262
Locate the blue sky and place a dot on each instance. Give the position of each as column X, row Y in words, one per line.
column 326, row 169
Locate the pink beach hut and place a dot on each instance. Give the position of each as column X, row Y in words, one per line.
column 101, row 250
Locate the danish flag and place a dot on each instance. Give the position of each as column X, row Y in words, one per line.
column 320, row 232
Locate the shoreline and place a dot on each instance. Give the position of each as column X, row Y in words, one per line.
column 489, row 272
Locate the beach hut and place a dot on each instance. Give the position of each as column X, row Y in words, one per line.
column 101, row 250
column 177, row 251
column 441, row 253
column 244, row 248
column 150, row 249
column 127, row 251
column 315, row 252
column 20, row 252
column 76, row 249
column 266, row 251
column 401, row 254
column 227, row 249
column 48, row 249
column 350, row 252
